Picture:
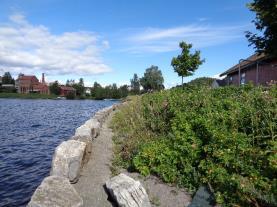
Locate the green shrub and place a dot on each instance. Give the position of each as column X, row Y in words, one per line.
column 223, row 137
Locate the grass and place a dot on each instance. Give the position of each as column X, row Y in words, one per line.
column 27, row 96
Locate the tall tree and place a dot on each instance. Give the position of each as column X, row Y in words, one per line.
column 186, row 63
column 135, row 84
column 7, row 78
column 152, row 79
column 266, row 23
column 80, row 88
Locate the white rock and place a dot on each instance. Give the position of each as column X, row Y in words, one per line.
column 127, row 192
column 84, row 131
column 55, row 191
column 94, row 125
column 68, row 160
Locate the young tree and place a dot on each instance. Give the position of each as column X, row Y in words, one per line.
column 7, row 78
column 135, row 85
column 186, row 63
column 266, row 23
column 55, row 88
column 152, row 79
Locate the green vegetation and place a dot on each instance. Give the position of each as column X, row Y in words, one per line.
column 7, row 78
column 186, row 63
column 201, row 82
column 135, row 84
column 265, row 23
column 55, row 88
column 27, row 96
column 152, row 80
column 225, row 138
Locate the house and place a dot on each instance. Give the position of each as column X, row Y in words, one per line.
column 258, row 69
column 30, row 84
column 65, row 90
column 0, row 80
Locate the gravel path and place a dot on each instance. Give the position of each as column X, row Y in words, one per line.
column 97, row 171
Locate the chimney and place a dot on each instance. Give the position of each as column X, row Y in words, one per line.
column 42, row 79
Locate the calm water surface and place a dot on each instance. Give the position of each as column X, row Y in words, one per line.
column 29, row 132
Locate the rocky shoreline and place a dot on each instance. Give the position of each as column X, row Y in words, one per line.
column 68, row 161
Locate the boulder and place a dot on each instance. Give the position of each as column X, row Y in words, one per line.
column 94, row 125
column 127, row 192
column 84, row 131
column 55, row 191
column 68, row 160
column 88, row 143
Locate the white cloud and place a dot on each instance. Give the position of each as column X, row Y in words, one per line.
column 167, row 39
column 31, row 48
column 217, row 76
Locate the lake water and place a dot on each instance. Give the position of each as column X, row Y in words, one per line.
column 29, row 132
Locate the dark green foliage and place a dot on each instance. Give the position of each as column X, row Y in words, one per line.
column 109, row 92
column 7, row 78
column 70, row 95
column 55, row 88
column 186, row 63
column 135, row 84
column 80, row 88
column 266, row 23
column 224, row 137
column 152, row 80
column 203, row 81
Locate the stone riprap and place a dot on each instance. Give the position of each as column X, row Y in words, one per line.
column 127, row 192
column 68, row 160
column 55, row 191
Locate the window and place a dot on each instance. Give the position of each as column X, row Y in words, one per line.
column 242, row 79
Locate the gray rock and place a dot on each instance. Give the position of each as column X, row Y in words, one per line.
column 88, row 143
column 84, row 131
column 127, row 192
column 94, row 125
column 68, row 160
column 55, row 191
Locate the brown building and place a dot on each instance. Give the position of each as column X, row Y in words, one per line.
column 30, row 84
column 65, row 90
column 258, row 69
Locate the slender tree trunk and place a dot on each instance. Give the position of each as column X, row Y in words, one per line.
column 183, row 82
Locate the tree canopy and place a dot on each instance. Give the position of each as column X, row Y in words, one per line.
column 55, row 88
column 153, row 79
column 266, row 23
column 186, row 63
column 7, row 78
column 135, row 84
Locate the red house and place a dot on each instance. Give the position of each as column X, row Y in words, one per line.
column 258, row 69
column 65, row 90
column 30, row 84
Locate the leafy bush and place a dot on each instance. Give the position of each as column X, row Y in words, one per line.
column 223, row 137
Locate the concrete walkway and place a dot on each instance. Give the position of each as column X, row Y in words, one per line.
column 97, row 171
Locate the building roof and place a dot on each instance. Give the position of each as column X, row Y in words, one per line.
column 67, row 88
column 27, row 77
column 253, row 59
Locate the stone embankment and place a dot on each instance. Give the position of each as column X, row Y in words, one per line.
column 68, row 160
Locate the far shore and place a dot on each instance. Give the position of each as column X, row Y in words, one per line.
column 42, row 96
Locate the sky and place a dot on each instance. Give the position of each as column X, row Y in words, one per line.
column 108, row 41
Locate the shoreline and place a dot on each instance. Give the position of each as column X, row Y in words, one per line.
column 67, row 163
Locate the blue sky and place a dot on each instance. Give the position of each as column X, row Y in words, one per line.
column 108, row 41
